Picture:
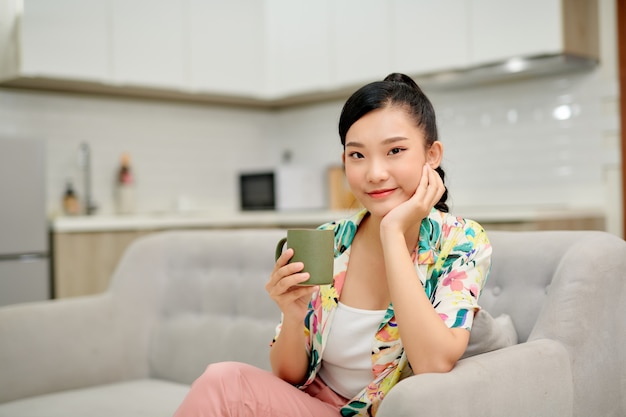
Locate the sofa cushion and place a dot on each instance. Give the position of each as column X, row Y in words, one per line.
column 136, row 398
column 490, row 333
column 183, row 346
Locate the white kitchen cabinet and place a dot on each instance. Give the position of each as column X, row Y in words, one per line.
column 429, row 35
column 361, row 48
column 502, row 29
column 298, row 41
column 66, row 39
column 272, row 52
column 148, row 43
column 227, row 47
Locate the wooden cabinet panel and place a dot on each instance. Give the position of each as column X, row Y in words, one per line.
column 85, row 262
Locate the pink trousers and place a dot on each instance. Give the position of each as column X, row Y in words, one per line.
column 232, row 389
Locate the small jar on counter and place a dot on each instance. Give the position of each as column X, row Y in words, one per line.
column 125, row 187
column 71, row 205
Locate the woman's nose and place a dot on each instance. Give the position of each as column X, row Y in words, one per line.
column 377, row 172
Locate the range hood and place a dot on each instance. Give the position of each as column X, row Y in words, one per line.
column 513, row 69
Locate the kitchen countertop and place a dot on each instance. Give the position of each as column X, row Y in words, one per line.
column 100, row 223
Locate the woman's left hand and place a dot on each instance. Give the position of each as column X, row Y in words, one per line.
column 406, row 215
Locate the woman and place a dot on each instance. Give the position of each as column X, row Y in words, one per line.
column 406, row 286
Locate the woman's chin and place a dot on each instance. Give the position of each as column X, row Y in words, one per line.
column 378, row 210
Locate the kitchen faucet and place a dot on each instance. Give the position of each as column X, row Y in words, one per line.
column 85, row 163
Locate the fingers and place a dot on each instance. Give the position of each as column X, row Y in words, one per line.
column 435, row 187
column 285, row 275
column 297, row 292
column 430, row 187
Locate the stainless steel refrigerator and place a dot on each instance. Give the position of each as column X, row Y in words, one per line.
column 24, row 244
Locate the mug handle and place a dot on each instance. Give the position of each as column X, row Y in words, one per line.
column 279, row 247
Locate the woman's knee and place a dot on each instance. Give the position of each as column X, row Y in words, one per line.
column 222, row 374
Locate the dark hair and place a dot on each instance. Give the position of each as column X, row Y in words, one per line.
column 395, row 90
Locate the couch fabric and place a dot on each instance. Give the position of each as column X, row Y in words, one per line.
column 181, row 300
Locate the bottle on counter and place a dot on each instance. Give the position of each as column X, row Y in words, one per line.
column 125, row 187
column 71, row 205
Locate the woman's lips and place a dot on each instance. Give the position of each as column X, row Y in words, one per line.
column 381, row 193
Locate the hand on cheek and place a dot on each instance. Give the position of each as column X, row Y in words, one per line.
column 415, row 209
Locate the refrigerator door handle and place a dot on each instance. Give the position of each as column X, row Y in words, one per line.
column 24, row 257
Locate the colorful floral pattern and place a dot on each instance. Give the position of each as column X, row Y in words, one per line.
column 452, row 261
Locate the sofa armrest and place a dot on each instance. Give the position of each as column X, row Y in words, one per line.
column 63, row 344
column 529, row 379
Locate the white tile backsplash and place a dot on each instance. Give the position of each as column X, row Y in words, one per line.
column 503, row 144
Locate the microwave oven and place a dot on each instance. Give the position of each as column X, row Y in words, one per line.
column 283, row 188
column 257, row 191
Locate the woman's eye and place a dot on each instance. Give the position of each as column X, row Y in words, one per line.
column 395, row 151
column 355, row 155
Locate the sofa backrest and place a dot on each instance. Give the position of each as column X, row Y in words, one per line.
column 523, row 267
column 203, row 291
column 203, row 297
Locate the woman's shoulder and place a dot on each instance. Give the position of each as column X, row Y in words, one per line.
column 461, row 228
column 350, row 222
column 345, row 230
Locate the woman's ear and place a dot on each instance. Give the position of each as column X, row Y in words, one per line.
column 434, row 154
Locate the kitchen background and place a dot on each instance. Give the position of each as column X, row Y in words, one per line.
column 536, row 143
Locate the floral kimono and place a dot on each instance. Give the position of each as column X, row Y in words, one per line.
column 452, row 260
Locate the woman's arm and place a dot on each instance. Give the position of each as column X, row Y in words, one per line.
column 288, row 356
column 431, row 346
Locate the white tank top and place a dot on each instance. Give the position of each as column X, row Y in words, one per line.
column 347, row 358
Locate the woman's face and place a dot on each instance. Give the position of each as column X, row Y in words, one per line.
column 384, row 155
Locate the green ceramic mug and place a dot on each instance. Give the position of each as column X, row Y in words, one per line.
column 315, row 249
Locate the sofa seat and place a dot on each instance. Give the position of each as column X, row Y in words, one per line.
column 136, row 398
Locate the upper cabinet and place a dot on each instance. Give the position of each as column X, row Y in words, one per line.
column 65, row 39
column 147, row 43
column 502, row 29
column 276, row 52
column 226, row 48
column 429, row 35
column 361, row 47
column 297, row 47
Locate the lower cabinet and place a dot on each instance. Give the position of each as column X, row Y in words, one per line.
column 85, row 262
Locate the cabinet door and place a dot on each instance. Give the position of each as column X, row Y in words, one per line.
column 429, row 35
column 148, row 43
column 24, row 281
column 66, row 39
column 227, row 47
column 298, row 42
column 502, row 29
column 361, row 40
column 85, row 262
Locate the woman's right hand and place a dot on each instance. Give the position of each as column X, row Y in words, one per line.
column 282, row 287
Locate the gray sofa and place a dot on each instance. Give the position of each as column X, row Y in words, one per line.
column 181, row 300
